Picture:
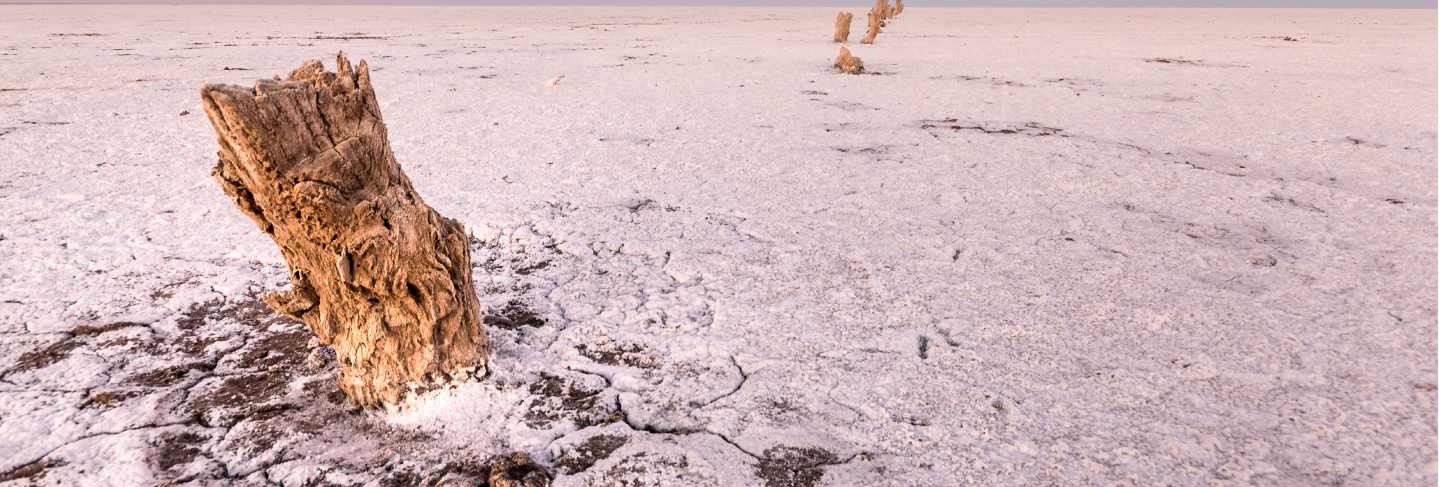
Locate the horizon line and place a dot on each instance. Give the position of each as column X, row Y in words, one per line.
column 442, row 3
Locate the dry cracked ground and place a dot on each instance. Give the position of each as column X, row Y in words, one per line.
column 1031, row 247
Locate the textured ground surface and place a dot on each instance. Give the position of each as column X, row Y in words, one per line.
column 1079, row 247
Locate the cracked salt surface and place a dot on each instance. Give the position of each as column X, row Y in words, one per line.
column 707, row 260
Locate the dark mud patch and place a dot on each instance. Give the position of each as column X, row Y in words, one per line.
column 558, row 399
column 250, row 311
column 238, row 396
column 1361, row 142
column 174, row 449
column 588, row 453
column 44, row 357
column 166, row 376
column 780, row 410
column 851, row 106
column 620, row 355
column 642, row 470
column 513, row 316
column 107, row 399
column 91, row 330
column 647, row 204
column 993, row 80
column 1264, row 261
column 785, row 466
column 401, row 478
column 1277, row 198
column 188, row 344
column 1175, row 60
column 528, row 269
column 195, row 316
column 1029, row 129
column 355, row 36
column 327, row 389
column 33, row 471
column 284, row 350
column 875, row 150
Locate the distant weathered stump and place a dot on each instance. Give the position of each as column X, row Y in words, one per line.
column 374, row 272
column 873, row 28
column 842, row 26
column 847, row 63
column 517, row 470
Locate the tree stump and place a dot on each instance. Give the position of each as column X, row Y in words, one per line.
column 842, row 26
column 847, row 63
column 873, row 28
column 375, row 273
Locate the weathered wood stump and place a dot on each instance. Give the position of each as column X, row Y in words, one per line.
column 517, row 470
column 842, row 26
column 873, row 28
column 375, row 273
column 847, row 63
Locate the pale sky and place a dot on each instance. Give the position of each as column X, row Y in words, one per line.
column 948, row 3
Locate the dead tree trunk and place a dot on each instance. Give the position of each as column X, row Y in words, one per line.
column 842, row 26
column 374, row 272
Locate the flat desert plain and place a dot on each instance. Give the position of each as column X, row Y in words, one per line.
column 1027, row 247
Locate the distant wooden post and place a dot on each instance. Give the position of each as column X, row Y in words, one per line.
column 374, row 272
column 873, row 29
column 842, row 26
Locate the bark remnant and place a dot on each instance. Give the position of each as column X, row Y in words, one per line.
column 375, row 272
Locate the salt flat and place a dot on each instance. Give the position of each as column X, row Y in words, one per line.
column 1032, row 247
